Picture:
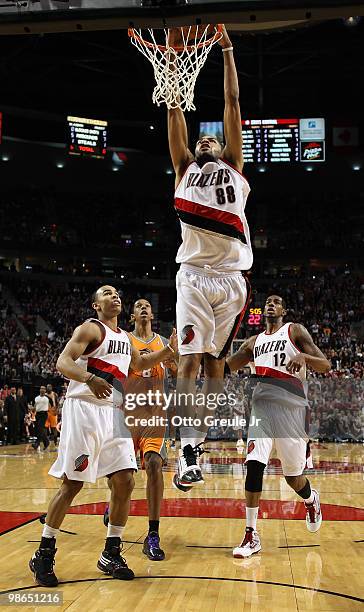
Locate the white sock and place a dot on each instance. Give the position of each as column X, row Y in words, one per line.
column 198, row 436
column 190, row 435
column 186, row 436
column 310, row 499
column 114, row 531
column 251, row 517
column 49, row 532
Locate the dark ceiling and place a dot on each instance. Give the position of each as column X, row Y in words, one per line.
column 309, row 71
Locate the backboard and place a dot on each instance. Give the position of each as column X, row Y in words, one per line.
column 37, row 16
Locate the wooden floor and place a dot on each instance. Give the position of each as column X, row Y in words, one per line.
column 296, row 570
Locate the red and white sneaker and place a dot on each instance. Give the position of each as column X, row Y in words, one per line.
column 313, row 513
column 249, row 546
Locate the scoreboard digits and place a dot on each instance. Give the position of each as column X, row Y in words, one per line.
column 277, row 140
column 271, row 140
column 87, row 137
column 255, row 316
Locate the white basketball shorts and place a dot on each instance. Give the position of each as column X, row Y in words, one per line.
column 210, row 308
column 282, row 427
column 94, row 442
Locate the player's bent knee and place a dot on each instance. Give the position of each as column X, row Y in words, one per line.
column 292, row 480
column 189, row 365
column 153, row 463
column 213, row 366
column 70, row 488
column 254, row 476
column 122, row 481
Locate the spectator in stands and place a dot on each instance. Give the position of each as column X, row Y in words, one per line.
column 4, row 392
column 13, row 417
column 3, row 422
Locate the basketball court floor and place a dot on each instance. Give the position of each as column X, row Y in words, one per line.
column 296, row 570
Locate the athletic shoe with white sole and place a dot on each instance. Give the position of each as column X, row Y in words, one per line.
column 249, row 546
column 313, row 513
column 188, row 470
column 180, row 487
column 113, row 564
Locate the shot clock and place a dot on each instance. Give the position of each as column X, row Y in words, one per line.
column 255, row 316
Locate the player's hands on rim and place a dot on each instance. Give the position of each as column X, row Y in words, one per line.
column 225, row 41
column 296, row 364
column 173, row 340
column 174, row 37
column 100, row 387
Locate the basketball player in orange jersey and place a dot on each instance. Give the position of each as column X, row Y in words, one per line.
column 210, row 198
column 150, row 440
column 94, row 439
column 281, row 356
column 52, row 419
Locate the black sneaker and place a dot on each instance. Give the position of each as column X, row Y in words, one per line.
column 113, row 564
column 41, row 564
column 188, row 471
column 151, row 547
column 180, row 487
column 106, row 516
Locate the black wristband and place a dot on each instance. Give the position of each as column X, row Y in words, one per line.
column 227, row 370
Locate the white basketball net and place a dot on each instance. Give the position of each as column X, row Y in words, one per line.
column 176, row 70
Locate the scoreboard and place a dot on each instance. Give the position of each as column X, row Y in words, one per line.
column 270, row 140
column 87, row 137
column 277, row 140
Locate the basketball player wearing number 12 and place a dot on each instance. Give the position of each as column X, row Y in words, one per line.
column 210, row 198
column 281, row 355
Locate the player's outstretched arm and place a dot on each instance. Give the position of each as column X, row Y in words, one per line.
column 177, row 127
column 311, row 354
column 233, row 151
column 83, row 336
column 145, row 362
column 243, row 356
column 178, row 142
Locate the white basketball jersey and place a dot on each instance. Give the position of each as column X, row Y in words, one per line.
column 109, row 360
column 272, row 352
column 210, row 206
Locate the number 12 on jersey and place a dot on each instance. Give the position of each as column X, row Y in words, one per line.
column 279, row 360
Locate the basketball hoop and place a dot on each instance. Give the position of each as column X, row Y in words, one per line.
column 177, row 63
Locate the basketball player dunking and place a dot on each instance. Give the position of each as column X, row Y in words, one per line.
column 150, row 440
column 281, row 355
column 210, row 198
column 94, row 439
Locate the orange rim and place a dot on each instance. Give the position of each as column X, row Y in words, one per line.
column 133, row 34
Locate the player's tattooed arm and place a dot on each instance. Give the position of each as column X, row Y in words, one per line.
column 243, row 356
column 145, row 362
column 310, row 355
column 83, row 338
column 233, row 150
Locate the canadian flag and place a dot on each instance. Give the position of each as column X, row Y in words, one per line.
column 345, row 136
